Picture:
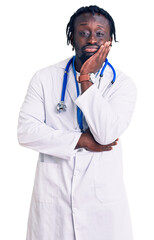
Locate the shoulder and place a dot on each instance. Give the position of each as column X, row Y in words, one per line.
column 50, row 72
column 123, row 85
column 55, row 67
column 122, row 79
column 125, row 81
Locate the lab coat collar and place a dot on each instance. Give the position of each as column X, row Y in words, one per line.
column 63, row 63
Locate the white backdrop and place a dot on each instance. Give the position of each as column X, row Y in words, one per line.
column 32, row 37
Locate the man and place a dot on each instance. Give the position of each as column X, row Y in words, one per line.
column 79, row 191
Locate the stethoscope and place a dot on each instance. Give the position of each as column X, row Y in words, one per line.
column 61, row 106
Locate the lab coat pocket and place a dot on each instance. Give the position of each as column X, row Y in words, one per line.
column 108, row 181
column 46, row 182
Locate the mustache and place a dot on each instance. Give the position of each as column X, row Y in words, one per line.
column 90, row 45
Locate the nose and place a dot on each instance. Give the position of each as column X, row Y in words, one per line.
column 92, row 39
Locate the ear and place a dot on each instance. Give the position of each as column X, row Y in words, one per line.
column 72, row 43
column 111, row 39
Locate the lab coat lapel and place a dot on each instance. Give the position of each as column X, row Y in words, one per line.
column 71, row 86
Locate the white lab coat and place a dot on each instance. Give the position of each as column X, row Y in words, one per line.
column 77, row 194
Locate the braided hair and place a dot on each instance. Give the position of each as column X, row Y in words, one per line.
column 91, row 9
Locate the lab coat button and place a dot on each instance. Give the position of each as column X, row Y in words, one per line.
column 76, row 172
column 74, row 210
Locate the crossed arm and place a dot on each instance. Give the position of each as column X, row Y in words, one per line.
column 107, row 120
column 88, row 142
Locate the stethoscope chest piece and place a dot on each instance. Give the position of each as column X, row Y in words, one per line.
column 61, row 107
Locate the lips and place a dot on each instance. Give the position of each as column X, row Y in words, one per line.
column 90, row 48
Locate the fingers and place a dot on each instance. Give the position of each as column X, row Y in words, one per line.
column 104, row 50
column 92, row 145
column 107, row 148
column 110, row 146
column 114, row 143
column 94, row 63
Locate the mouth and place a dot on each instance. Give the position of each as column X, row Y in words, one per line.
column 91, row 49
column 87, row 52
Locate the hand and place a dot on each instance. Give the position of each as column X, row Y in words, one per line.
column 88, row 142
column 94, row 63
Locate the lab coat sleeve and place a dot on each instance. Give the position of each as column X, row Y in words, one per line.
column 34, row 133
column 108, row 118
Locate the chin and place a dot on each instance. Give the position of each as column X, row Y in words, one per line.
column 86, row 56
column 90, row 54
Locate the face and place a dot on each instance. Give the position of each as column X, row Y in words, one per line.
column 90, row 32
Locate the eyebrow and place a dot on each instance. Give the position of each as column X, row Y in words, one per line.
column 100, row 26
column 84, row 24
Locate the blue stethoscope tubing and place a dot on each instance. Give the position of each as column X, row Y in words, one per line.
column 61, row 105
column 65, row 80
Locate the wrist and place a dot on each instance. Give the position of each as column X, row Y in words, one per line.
column 87, row 78
column 84, row 77
column 81, row 143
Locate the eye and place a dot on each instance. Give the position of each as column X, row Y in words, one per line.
column 84, row 34
column 100, row 34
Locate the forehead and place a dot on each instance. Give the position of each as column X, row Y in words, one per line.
column 87, row 18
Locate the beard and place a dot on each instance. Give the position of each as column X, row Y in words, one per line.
column 84, row 57
column 82, row 54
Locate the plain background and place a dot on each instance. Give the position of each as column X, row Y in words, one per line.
column 32, row 37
